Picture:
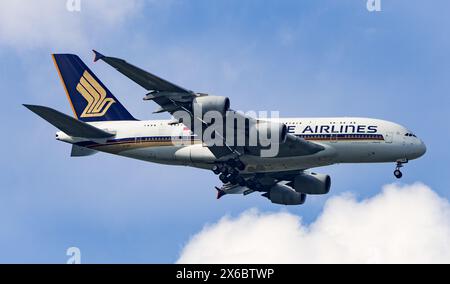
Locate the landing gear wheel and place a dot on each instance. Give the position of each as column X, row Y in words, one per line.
column 236, row 163
column 398, row 173
column 233, row 178
column 223, row 178
column 233, row 172
column 216, row 169
column 232, row 163
column 224, row 170
column 241, row 181
column 229, row 171
column 240, row 165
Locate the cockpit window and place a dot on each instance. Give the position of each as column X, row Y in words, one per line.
column 410, row 134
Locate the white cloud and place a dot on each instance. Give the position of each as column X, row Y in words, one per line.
column 408, row 224
column 28, row 24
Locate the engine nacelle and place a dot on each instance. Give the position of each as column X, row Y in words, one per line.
column 283, row 194
column 212, row 103
column 195, row 154
column 312, row 183
column 274, row 131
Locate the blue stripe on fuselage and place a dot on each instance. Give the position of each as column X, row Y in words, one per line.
column 318, row 137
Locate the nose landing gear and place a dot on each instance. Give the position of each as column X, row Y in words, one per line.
column 397, row 172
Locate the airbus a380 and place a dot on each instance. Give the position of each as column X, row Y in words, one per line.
column 102, row 124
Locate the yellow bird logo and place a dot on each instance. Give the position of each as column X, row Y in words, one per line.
column 95, row 95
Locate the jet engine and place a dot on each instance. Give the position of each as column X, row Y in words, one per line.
column 312, row 183
column 212, row 103
column 283, row 194
column 275, row 131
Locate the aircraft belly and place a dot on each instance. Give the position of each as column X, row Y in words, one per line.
column 192, row 155
column 367, row 152
column 201, row 157
column 162, row 155
column 284, row 164
column 322, row 158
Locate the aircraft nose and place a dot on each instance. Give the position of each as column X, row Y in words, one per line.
column 422, row 148
column 416, row 149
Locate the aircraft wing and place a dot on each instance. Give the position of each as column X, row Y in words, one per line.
column 173, row 98
column 169, row 96
column 293, row 145
column 296, row 146
column 258, row 182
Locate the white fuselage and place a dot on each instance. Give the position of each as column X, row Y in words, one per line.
column 346, row 140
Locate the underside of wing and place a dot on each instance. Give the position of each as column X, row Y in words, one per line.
column 288, row 188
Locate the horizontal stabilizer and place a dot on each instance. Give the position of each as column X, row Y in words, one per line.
column 78, row 151
column 68, row 124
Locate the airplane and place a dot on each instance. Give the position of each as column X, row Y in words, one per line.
column 102, row 124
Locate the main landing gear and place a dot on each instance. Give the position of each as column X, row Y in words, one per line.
column 229, row 172
column 397, row 172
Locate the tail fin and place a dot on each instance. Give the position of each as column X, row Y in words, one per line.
column 89, row 98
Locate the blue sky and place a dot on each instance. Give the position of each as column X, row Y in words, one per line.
column 302, row 58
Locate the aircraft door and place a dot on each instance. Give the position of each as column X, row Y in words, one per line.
column 388, row 137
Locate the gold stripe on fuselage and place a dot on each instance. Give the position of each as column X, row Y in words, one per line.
column 118, row 147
